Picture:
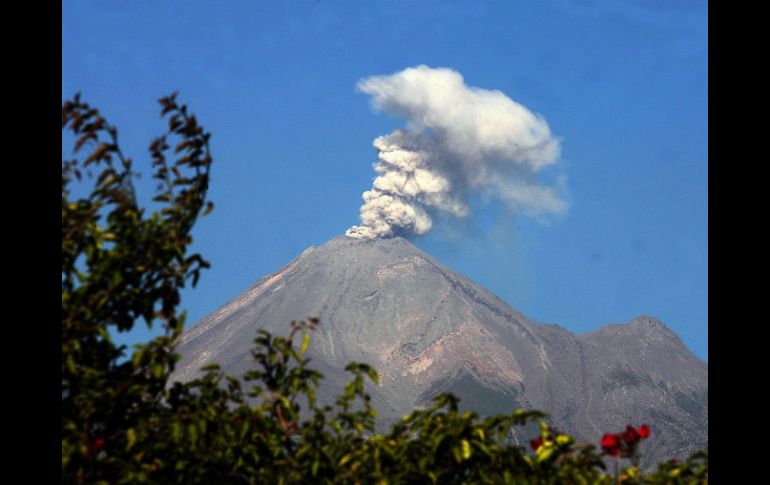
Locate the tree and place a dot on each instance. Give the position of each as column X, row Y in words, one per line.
column 122, row 422
column 120, row 264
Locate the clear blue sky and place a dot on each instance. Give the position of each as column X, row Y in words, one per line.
column 623, row 85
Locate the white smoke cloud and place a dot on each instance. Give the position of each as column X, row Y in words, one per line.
column 461, row 140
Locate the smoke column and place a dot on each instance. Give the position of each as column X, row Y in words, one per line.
column 460, row 140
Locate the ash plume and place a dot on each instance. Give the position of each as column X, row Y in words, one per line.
column 460, row 140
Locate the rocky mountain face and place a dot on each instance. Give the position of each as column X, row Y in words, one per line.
column 427, row 329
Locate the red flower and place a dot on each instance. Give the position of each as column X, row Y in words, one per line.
column 98, row 443
column 631, row 435
column 237, row 421
column 644, row 431
column 610, row 444
column 536, row 443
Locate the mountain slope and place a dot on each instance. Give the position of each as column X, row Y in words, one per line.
column 427, row 329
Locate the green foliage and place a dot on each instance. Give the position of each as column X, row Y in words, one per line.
column 123, row 423
column 120, row 265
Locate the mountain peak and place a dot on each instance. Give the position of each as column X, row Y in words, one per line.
column 650, row 327
column 646, row 322
column 343, row 240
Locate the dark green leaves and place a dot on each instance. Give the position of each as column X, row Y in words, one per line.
column 120, row 264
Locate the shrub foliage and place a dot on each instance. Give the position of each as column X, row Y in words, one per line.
column 123, row 422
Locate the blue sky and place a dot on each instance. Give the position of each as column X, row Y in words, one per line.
column 622, row 85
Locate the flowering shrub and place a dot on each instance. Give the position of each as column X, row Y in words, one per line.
column 122, row 423
column 624, row 444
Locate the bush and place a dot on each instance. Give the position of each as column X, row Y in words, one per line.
column 122, row 422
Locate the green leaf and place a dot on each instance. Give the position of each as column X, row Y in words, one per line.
column 158, row 369
column 176, row 431
column 130, row 438
column 466, row 449
column 192, row 433
column 305, row 342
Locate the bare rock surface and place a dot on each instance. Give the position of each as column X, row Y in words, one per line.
column 427, row 329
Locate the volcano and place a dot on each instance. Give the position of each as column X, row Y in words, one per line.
column 427, row 330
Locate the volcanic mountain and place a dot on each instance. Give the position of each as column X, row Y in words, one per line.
column 427, row 330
